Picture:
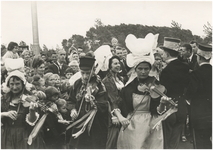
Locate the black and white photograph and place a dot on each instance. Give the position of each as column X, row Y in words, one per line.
column 106, row 74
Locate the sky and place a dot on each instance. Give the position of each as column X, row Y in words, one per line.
column 58, row 20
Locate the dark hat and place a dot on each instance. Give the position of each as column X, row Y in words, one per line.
column 22, row 44
column 171, row 44
column 204, row 51
column 86, row 63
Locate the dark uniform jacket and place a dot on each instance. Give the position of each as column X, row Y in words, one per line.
column 199, row 92
column 175, row 79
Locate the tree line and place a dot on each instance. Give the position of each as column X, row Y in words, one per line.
column 100, row 34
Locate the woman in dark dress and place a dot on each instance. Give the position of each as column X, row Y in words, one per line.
column 17, row 120
column 113, row 83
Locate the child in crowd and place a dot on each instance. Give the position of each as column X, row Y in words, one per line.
column 61, row 126
column 39, row 83
column 51, row 133
column 69, row 73
column 74, row 65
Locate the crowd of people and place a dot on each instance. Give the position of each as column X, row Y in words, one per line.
column 145, row 97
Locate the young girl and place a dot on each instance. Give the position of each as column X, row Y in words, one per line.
column 61, row 126
column 39, row 83
column 53, row 119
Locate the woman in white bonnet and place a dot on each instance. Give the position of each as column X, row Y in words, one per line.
column 18, row 121
column 137, row 108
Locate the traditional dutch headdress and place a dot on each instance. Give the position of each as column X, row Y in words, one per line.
column 102, row 56
column 141, row 51
column 15, row 67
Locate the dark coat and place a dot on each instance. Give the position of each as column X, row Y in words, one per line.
column 113, row 92
column 193, row 65
column 14, row 134
column 114, row 99
column 55, row 69
column 175, row 79
column 53, row 137
column 98, row 132
column 124, row 70
column 199, row 92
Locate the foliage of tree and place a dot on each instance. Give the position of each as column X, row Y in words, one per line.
column 208, row 31
column 176, row 25
column 101, row 33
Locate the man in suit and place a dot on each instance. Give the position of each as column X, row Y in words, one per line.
column 187, row 56
column 199, row 92
column 194, row 47
column 58, row 67
column 121, row 53
column 175, row 78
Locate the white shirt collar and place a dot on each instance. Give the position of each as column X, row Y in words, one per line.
column 190, row 58
column 203, row 63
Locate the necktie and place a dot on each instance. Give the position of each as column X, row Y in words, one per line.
column 188, row 60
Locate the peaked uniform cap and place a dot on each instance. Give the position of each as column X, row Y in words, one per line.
column 171, row 44
column 204, row 51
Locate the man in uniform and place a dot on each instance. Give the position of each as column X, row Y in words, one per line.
column 89, row 95
column 199, row 92
column 175, row 79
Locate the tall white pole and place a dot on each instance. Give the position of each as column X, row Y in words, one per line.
column 35, row 47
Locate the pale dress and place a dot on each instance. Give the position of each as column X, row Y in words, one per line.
column 138, row 135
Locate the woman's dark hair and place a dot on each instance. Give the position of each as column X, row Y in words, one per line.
column 37, row 61
column 69, row 70
column 15, row 78
column 110, row 61
column 11, row 46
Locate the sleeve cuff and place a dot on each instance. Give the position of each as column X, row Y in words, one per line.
column 32, row 123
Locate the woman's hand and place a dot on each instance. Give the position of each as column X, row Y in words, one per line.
column 167, row 100
column 124, row 121
column 33, row 106
column 115, row 121
column 11, row 114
